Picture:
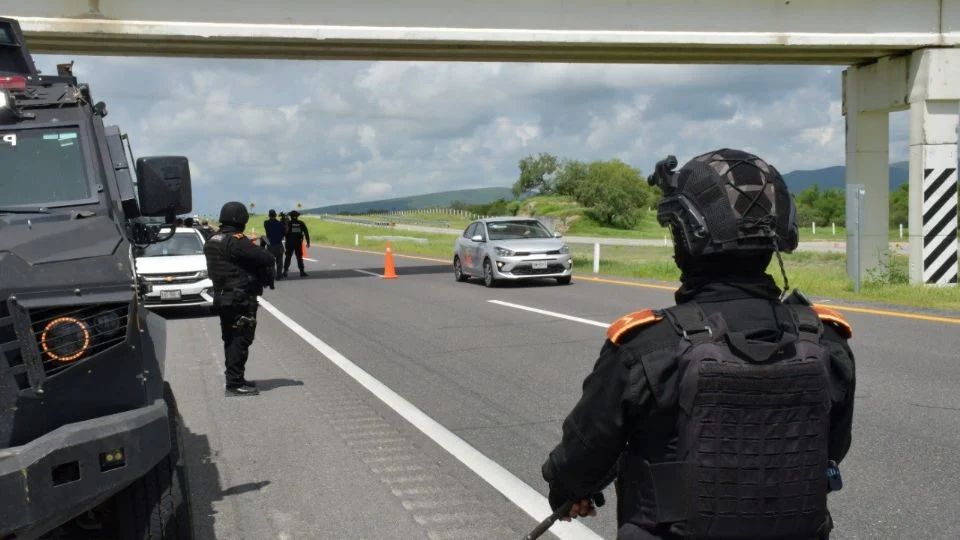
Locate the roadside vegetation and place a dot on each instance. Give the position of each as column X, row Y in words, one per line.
column 820, row 275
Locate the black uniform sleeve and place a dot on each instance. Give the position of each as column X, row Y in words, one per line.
column 306, row 232
column 843, row 387
column 244, row 250
column 594, row 433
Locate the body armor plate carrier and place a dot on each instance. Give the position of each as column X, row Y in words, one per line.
column 753, row 428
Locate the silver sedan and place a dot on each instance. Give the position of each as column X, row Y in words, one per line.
column 511, row 248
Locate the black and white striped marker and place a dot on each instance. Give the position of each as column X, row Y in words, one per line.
column 940, row 226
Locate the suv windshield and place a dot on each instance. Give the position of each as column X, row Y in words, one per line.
column 182, row 243
column 40, row 167
column 517, row 230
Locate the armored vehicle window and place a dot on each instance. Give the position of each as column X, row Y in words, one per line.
column 5, row 37
column 41, row 167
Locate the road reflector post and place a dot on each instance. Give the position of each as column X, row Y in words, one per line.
column 356, row 239
column 389, row 270
column 596, row 257
column 814, row 226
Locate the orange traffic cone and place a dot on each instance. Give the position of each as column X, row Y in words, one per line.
column 389, row 271
column 303, row 248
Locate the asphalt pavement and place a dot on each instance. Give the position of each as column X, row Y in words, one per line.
column 371, row 385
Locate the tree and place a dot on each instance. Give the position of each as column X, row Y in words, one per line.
column 900, row 206
column 615, row 193
column 536, row 173
column 571, row 175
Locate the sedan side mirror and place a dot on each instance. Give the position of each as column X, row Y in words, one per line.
column 164, row 186
column 476, row 238
column 557, row 235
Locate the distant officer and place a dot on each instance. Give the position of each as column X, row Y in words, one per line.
column 239, row 270
column 274, row 232
column 297, row 233
column 188, row 222
column 205, row 229
column 725, row 415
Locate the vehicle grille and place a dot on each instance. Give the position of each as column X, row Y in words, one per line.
column 10, row 348
column 528, row 253
column 172, row 277
column 155, row 300
column 102, row 334
column 530, row 271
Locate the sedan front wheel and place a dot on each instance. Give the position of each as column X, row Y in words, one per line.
column 488, row 278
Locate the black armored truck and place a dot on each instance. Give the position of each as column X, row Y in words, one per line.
column 88, row 428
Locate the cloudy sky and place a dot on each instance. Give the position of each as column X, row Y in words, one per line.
column 281, row 132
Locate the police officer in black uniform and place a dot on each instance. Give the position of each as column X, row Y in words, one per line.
column 724, row 416
column 297, row 233
column 239, row 271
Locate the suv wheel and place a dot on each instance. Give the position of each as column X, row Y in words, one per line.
column 458, row 270
column 488, row 278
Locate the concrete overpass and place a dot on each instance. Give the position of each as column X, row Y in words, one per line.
column 903, row 55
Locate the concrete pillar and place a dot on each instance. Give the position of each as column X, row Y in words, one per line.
column 934, row 114
column 867, row 164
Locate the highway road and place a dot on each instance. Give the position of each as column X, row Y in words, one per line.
column 420, row 408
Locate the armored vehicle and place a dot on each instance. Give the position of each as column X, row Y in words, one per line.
column 87, row 425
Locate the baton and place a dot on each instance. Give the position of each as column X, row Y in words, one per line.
column 551, row 519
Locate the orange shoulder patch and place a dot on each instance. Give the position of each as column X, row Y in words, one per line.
column 836, row 319
column 631, row 321
column 238, row 235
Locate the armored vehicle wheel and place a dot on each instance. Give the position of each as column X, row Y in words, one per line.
column 157, row 506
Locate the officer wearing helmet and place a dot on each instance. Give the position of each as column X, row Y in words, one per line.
column 297, row 234
column 726, row 415
column 239, row 271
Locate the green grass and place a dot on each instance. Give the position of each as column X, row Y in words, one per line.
column 817, row 274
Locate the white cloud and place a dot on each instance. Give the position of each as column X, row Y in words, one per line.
column 374, row 189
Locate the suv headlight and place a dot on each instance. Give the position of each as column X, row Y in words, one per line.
column 504, row 252
column 203, row 274
column 564, row 249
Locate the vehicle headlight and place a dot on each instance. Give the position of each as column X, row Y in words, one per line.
column 107, row 324
column 65, row 339
column 564, row 249
column 504, row 252
column 203, row 274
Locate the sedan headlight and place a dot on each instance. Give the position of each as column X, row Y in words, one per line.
column 564, row 249
column 504, row 252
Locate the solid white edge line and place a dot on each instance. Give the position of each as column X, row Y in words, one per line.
column 514, row 489
column 309, row 259
column 551, row 313
column 374, row 274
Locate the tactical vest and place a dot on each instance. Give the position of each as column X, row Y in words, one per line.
column 225, row 273
column 295, row 228
column 751, row 421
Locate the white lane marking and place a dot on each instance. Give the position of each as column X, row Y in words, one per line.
column 309, row 259
column 367, row 272
column 521, row 494
column 551, row 313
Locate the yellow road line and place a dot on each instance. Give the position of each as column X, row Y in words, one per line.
column 867, row 311
column 898, row 314
column 625, row 283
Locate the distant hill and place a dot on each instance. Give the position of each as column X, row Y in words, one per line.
column 416, row 202
column 833, row 177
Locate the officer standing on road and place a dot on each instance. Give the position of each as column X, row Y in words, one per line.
column 724, row 416
column 296, row 234
column 274, row 232
column 239, row 270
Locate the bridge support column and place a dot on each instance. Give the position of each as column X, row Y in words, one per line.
column 934, row 114
column 867, row 155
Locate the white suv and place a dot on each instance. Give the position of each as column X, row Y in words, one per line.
column 175, row 271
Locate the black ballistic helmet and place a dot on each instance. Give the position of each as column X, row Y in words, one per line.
column 724, row 202
column 272, row 213
column 234, row 213
column 294, row 214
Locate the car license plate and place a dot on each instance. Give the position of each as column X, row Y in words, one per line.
column 169, row 295
column 539, row 265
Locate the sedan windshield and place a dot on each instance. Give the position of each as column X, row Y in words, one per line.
column 185, row 243
column 41, row 167
column 517, row 230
